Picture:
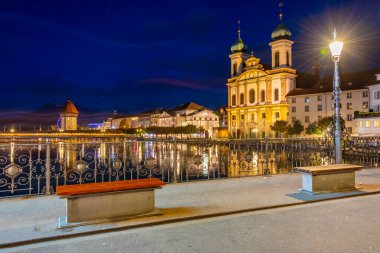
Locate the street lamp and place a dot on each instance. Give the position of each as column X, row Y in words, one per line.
column 336, row 49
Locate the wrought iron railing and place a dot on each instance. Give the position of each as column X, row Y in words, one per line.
column 28, row 169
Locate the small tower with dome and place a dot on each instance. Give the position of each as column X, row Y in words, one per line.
column 281, row 45
column 68, row 117
column 238, row 55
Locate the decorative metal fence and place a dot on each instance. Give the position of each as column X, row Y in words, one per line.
column 28, row 169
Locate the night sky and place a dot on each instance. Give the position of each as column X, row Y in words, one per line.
column 138, row 55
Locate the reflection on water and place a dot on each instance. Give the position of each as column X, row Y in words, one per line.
column 172, row 161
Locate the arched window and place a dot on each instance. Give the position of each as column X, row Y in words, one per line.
column 276, row 95
column 277, row 59
column 234, row 70
column 242, row 98
column 262, row 95
column 287, row 59
column 233, row 100
column 252, row 96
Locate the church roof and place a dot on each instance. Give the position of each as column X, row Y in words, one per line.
column 69, row 108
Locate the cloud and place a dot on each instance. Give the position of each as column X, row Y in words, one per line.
column 189, row 84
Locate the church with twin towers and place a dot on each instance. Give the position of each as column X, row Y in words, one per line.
column 256, row 96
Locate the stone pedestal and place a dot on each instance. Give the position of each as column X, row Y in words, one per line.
column 329, row 178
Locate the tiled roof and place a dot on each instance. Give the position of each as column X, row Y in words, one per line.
column 69, row 108
column 349, row 81
column 188, row 106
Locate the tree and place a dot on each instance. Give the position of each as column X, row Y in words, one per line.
column 312, row 128
column 280, row 126
column 324, row 125
column 296, row 129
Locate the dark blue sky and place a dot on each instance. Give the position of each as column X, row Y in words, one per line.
column 137, row 55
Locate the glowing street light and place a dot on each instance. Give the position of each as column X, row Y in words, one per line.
column 336, row 47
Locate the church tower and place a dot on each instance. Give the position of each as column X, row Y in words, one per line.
column 238, row 55
column 257, row 95
column 69, row 116
column 281, row 45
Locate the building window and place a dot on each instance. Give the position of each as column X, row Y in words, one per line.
column 319, row 97
column 319, row 117
column 349, row 95
column 276, row 95
column 365, row 105
column 252, row 117
column 252, row 96
column 262, row 95
column 294, row 119
column 307, row 119
column 234, row 71
column 242, row 98
column 349, row 117
column 277, row 115
column 377, row 95
column 263, row 115
column 360, row 123
column 365, row 94
column 349, row 106
column 233, row 117
column 376, row 123
column 306, row 108
column 349, row 129
column 293, row 100
column 287, row 59
column 233, row 100
column 277, row 59
column 242, row 117
column 319, row 108
column 367, row 123
column 293, row 109
column 307, row 99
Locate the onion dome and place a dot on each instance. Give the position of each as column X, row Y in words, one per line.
column 69, row 108
column 281, row 31
column 239, row 46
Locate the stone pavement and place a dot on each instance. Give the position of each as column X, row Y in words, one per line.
column 348, row 225
column 25, row 220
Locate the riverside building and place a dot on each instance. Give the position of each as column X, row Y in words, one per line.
column 256, row 95
column 368, row 123
column 358, row 96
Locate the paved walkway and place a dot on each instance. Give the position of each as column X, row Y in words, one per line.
column 349, row 225
column 33, row 218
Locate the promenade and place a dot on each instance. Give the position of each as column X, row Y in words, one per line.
column 34, row 219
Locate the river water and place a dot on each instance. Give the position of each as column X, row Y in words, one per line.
column 28, row 167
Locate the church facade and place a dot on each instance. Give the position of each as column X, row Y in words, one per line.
column 256, row 96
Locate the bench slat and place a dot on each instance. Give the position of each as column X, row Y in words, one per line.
column 91, row 188
column 328, row 168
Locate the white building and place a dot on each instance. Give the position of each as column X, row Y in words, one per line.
column 368, row 123
column 311, row 104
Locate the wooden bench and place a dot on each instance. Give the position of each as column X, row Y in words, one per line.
column 328, row 178
column 93, row 202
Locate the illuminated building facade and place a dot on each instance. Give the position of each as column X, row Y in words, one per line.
column 257, row 96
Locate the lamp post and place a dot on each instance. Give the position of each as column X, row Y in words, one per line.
column 336, row 47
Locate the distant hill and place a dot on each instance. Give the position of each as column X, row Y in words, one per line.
column 47, row 115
